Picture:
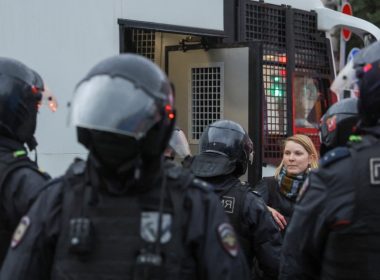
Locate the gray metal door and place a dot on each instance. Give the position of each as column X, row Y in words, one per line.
column 210, row 85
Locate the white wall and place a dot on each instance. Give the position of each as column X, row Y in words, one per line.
column 207, row 14
column 62, row 40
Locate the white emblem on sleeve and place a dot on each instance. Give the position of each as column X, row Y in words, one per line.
column 20, row 231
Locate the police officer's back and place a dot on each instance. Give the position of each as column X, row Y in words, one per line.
column 225, row 152
column 120, row 214
column 20, row 180
column 335, row 229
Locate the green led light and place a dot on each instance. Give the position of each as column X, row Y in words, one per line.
column 276, row 88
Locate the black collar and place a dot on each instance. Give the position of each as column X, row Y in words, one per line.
column 10, row 144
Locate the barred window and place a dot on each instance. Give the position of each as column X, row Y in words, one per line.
column 145, row 41
column 207, row 98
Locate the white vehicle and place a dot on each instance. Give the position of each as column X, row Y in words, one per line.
column 267, row 65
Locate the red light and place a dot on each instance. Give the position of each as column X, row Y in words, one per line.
column 35, row 89
column 53, row 106
column 367, row 68
column 282, row 72
column 169, row 110
column 282, row 59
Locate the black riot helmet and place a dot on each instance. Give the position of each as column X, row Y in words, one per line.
column 369, row 98
column 20, row 94
column 366, row 65
column 338, row 123
column 123, row 108
column 224, row 148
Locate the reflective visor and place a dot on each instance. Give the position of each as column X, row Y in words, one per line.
column 225, row 139
column 115, row 105
column 179, row 143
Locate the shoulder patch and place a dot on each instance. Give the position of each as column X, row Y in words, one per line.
column 202, row 185
column 228, row 239
column 20, row 231
column 334, row 155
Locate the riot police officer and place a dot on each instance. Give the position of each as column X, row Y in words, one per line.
column 225, row 152
column 21, row 90
column 334, row 233
column 120, row 214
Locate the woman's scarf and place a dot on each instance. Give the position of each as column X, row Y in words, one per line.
column 289, row 185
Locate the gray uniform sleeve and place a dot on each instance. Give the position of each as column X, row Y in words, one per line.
column 31, row 253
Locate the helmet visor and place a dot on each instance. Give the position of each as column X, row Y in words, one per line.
column 179, row 144
column 115, row 105
column 222, row 140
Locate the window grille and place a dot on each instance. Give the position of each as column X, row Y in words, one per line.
column 305, row 47
column 144, row 41
column 207, row 98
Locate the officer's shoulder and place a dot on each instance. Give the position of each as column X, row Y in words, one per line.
column 187, row 178
column 202, row 185
column 246, row 186
column 52, row 191
column 255, row 193
column 76, row 168
column 334, row 155
column 54, row 183
column 358, row 142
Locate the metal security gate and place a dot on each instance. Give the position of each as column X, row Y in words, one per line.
column 296, row 67
column 290, row 70
column 217, row 83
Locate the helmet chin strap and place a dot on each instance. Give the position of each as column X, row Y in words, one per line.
column 31, row 143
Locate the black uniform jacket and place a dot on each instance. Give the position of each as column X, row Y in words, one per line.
column 263, row 232
column 203, row 240
column 325, row 208
column 19, row 189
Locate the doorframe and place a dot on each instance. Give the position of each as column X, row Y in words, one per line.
column 255, row 97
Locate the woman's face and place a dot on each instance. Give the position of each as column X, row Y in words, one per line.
column 296, row 159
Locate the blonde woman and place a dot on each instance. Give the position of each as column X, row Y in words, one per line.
column 280, row 191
